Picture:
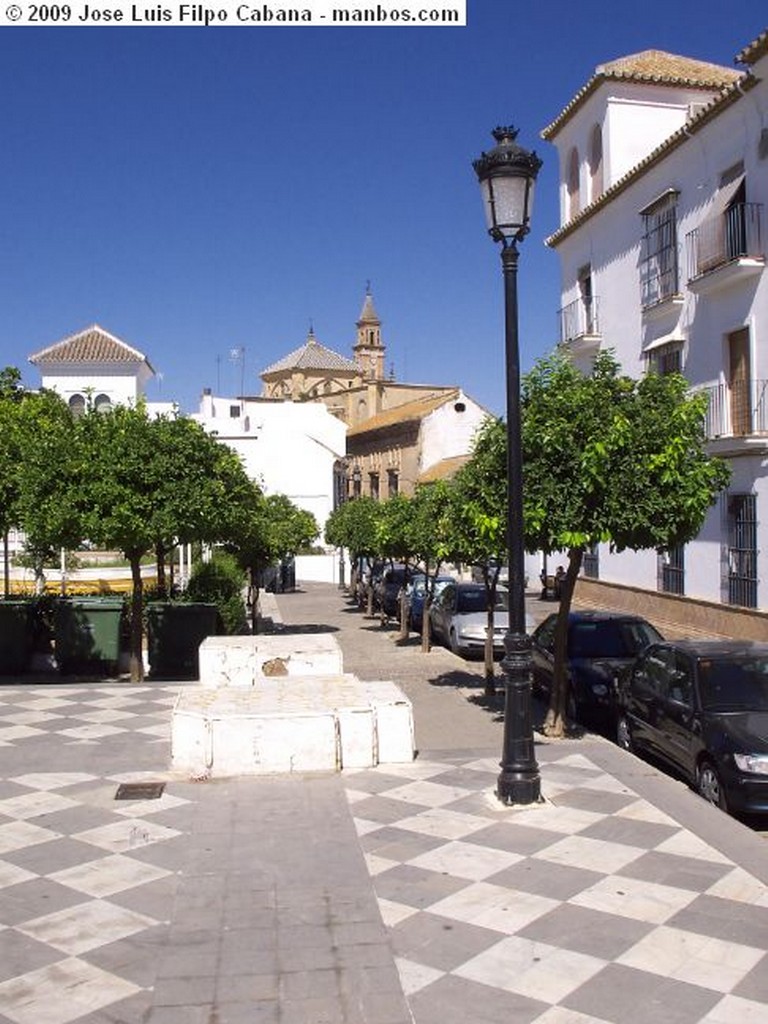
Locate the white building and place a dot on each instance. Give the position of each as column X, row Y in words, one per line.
column 663, row 191
column 289, row 448
column 94, row 365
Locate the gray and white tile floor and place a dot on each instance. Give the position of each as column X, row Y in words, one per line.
column 374, row 897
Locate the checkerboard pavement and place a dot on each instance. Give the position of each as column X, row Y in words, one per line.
column 595, row 906
column 241, row 901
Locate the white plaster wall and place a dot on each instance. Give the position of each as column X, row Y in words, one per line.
column 289, row 447
column 635, row 119
column 446, row 433
column 122, row 388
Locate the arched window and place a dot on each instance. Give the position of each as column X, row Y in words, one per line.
column 102, row 403
column 572, row 183
column 77, row 405
column 596, row 162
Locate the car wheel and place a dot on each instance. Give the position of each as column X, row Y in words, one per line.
column 454, row 643
column 624, row 734
column 710, row 786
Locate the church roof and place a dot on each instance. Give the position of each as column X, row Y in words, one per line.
column 312, row 356
column 408, row 412
column 92, row 345
column 368, row 314
column 654, row 67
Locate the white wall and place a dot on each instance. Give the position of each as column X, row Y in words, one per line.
column 289, row 447
column 448, row 432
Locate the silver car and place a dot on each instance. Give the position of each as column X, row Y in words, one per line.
column 459, row 619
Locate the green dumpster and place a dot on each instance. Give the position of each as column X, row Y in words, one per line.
column 17, row 625
column 175, row 632
column 87, row 634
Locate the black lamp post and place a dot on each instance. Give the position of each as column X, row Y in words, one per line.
column 506, row 175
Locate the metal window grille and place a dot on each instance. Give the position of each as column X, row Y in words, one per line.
column 591, row 563
column 659, row 276
column 672, row 570
column 742, row 550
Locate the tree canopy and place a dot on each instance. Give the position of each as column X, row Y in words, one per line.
column 608, row 458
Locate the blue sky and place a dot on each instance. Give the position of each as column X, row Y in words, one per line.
column 199, row 190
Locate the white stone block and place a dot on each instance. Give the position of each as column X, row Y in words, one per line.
column 295, row 724
column 246, row 661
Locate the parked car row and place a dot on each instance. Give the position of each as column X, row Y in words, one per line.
column 699, row 707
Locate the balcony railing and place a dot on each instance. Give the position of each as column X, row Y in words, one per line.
column 579, row 319
column 737, row 409
column 735, row 234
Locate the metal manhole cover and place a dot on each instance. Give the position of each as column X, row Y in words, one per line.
column 139, row 791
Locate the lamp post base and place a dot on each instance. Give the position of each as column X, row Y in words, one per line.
column 519, row 781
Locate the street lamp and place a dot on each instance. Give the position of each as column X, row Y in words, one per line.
column 507, row 174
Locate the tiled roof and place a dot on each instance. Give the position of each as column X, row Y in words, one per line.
column 754, row 50
column 731, row 94
column 312, row 356
column 446, row 469
column 92, row 345
column 408, row 412
column 654, row 67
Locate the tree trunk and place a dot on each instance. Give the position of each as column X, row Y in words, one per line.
column 403, row 606
column 254, row 600
column 556, row 722
column 137, row 630
column 6, row 567
column 490, row 600
column 489, row 666
column 162, row 591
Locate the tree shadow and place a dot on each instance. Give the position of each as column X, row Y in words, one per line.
column 493, row 704
column 304, row 627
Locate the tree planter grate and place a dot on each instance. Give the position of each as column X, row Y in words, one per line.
column 139, row 791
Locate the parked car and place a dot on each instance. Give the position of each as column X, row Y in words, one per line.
column 600, row 645
column 387, row 593
column 369, row 574
column 416, row 595
column 459, row 619
column 701, row 707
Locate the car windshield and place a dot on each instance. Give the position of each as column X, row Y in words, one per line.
column 475, row 600
column 610, row 639
column 734, row 684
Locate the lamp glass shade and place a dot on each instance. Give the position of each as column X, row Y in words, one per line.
column 507, row 199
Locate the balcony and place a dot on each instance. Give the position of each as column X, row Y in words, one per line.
column 737, row 412
column 726, row 248
column 579, row 319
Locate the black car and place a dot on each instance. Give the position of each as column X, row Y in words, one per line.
column 389, row 587
column 600, row 645
column 702, row 708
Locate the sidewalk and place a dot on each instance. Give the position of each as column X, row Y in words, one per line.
column 379, row 896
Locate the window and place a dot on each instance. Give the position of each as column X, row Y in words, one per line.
column 102, row 403
column 234, row 411
column 393, row 482
column 596, row 162
column 572, row 184
column 672, row 570
column 742, row 550
column 591, row 563
column 374, row 485
column 666, row 359
column 77, row 405
column 658, row 253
